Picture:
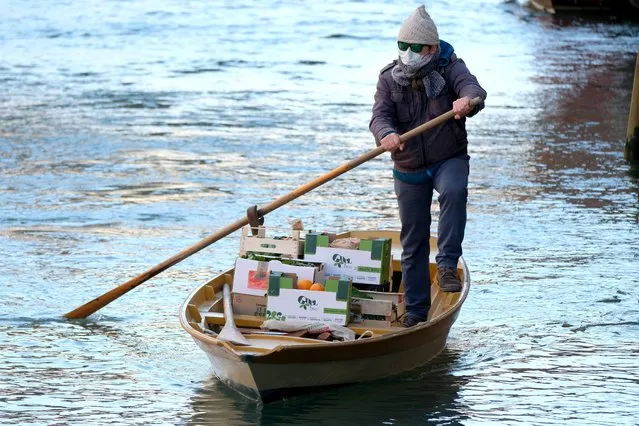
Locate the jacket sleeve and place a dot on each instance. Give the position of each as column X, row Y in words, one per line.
column 383, row 121
column 466, row 84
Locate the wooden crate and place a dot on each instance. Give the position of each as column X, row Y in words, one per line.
column 380, row 311
column 291, row 245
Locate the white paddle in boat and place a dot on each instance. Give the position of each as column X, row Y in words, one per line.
column 229, row 332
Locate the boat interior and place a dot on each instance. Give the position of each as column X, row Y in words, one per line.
column 203, row 312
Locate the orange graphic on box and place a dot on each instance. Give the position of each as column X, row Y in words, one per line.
column 258, row 280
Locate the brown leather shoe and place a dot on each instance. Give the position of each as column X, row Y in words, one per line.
column 448, row 280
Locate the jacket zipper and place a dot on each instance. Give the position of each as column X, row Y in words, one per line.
column 424, row 109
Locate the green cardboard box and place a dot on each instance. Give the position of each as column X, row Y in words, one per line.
column 332, row 305
column 369, row 264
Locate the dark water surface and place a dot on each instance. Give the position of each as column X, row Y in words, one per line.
column 130, row 130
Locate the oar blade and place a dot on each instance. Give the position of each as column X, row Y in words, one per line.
column 233, row 335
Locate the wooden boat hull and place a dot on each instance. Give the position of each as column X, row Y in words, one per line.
column 265, row 379
column 553, row 6
column 277, row 369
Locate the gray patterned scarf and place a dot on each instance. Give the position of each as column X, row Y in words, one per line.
column 432, row 80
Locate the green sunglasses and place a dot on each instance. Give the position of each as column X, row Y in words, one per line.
column 415, row 47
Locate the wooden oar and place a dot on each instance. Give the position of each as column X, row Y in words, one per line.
column 229, row 332
column 108, row 297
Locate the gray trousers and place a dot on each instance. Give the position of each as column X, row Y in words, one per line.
column 450, row 179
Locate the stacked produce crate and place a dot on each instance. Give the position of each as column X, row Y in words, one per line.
column 288, row 277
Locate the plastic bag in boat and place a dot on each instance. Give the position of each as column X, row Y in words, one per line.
column 312, row 327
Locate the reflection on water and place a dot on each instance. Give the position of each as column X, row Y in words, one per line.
column 129, row 131
column 435, row 388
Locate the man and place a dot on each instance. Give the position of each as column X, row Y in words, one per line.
column 426, row 81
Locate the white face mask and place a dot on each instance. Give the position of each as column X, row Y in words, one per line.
column 412, row 59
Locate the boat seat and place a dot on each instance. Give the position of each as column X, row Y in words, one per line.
column 250, row 321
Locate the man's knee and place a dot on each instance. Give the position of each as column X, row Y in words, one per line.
column 454, row 193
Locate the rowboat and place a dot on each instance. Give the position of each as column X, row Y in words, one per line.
column 273, row 366
column 553, row 6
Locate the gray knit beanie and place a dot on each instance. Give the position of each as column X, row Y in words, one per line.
column 419, row 28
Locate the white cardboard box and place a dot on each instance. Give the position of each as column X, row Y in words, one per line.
column 364, row 266
column 246, row 304
column 284, row 302
column 251, row 276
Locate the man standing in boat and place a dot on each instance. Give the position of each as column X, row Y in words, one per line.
column 426, row 81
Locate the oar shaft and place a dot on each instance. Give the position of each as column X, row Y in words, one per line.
column 108, row 297
column 340, row 170
column 228, row 307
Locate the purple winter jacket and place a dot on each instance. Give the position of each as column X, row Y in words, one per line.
column 400, row 109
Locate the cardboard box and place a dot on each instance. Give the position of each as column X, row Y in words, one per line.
column 284, row 301
column 251, row 276
column 246, row 304
column 368, row 265
column 290, row 246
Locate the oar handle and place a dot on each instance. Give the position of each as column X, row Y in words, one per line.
column 303, row 189
column 108, row 297
column 435, row 122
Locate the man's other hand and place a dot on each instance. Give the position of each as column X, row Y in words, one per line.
column 461, row 107
column 391, row 142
